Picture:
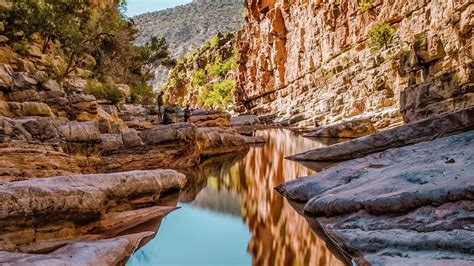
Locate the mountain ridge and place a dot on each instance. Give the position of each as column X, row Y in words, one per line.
column 187, row 27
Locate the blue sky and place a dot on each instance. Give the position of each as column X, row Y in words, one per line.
column 136, row 7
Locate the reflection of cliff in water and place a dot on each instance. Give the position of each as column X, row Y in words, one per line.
column 208, row 185
column 245, row 183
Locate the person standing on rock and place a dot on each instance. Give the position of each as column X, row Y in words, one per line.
column 177, row 113
column 159, row 103
column 187, row 113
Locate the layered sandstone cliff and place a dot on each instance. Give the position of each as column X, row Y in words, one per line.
column 309, row 62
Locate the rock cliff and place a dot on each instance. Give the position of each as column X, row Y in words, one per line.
column 317, row 63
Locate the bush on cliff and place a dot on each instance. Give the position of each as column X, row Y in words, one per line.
column 107, row 92
column 221, row 70
column 83, row 30
column 380, row 36
column 142, row 94
column 365, row 5
column 199, row 78
column 217, row 96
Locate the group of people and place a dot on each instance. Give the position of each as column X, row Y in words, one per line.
column 171, row 114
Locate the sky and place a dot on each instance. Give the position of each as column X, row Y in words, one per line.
column 136, row 7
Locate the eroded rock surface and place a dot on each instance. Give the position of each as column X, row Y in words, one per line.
column 114, row 251
column 64, row 207
column 310, row 64
column 399, row 206
column 424, row 130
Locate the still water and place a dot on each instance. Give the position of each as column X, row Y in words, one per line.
column 231, row 215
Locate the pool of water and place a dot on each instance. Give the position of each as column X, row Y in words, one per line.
column 231, row 215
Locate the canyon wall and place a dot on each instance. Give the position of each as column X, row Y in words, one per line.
column 309, row 63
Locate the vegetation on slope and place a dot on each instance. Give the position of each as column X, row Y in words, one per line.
column 206, row 77
column 90, row 42
column 189, row 26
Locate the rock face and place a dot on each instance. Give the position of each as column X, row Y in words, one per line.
column 400, row 206
column 310, row 62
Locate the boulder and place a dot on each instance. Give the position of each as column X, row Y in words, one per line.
column 164, row 134
column 246, row 124
column 25, row 66
column 76, row 85
column 6, row 76
column 112, row 142
column 424, row 130
column 211, row 120
column 35, row 51
column 66, row 207
column 51, row 85
column 12, row 130
column 131, row 139
column 217, row 140
column 24, row 96
column 42, row 130
column 23, row 80
column 83, row 102
column 85, row 132
column 29, row 109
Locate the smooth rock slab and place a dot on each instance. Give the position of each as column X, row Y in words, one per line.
column 395, row 180
column 114, row 251
column 55, row 207
column 425, row 130
column 402, row 206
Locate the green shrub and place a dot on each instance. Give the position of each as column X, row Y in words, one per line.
column 220, row 70
column 107, row 92
column 21, row 47
column 218, row 95
column 142, row 94
column 214, row 41
column 365, row 5
column 380, row 36
column 113, row 94
column 199, row 78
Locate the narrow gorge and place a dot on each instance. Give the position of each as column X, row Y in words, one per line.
column 301, row 132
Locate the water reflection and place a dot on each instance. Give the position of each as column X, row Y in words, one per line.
column 240, row 187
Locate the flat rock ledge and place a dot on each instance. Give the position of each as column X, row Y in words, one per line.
column 52, row 216
column 424, row 130
column 113, row 251
column 402, row 206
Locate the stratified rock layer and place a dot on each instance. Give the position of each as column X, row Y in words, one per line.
column 400, row 206
column 310, row 62
column 64, row 207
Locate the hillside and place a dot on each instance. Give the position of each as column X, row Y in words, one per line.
column 189, row 26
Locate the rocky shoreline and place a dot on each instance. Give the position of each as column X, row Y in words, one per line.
column 405, row 203
column 83, row 182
